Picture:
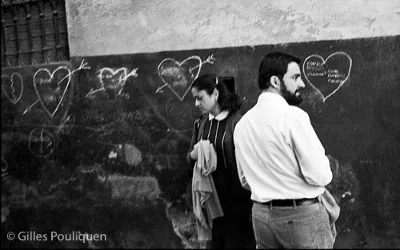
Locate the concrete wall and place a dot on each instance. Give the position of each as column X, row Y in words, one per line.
column 103, row 27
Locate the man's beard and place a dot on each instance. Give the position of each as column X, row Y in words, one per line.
column 291, row 98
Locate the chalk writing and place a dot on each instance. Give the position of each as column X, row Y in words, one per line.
column 113, row 81
column 179, row 76
column 328, row 75
column 41, row 142
column 12, row 87
column 51, row 87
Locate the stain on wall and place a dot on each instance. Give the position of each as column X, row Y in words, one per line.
column 101, row 27
column 133, row 156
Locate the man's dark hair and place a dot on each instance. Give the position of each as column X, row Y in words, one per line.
column 274, row 64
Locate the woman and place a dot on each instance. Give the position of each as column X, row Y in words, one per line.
column 220, row 109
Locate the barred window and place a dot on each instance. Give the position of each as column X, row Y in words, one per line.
column 33, row 32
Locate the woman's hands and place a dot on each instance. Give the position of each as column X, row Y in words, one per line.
column 193, row 153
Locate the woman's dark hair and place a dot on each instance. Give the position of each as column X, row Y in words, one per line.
column 227, row 100
column 274, row 64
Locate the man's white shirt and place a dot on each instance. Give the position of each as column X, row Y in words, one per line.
column 278, row 153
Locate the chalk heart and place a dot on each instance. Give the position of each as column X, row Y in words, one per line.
column 328, row 75
column 51, row 87
column 179, row 76
column 12, row 87
column 113, row 81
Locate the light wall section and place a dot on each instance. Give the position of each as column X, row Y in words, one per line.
column 105, row 27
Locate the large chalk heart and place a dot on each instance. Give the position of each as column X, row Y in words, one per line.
column 179, row 76
column 328, row 75
column 12, row 87
column 113, row 81
column 51, row 88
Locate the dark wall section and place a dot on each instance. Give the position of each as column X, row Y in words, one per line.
column 99, row 144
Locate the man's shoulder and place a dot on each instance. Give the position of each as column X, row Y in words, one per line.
column 243, row 119
column 298, row 113
column 245, row 115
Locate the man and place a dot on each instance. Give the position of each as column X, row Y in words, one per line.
column 282, row 162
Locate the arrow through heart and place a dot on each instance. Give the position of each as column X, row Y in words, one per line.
column 179, row 76
column 51, row 88
column 328, row 75
column 113, row 81
column 12, row 87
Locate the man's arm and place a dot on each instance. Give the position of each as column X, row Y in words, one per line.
column 238, row 157
column 310, row 154
column 241, row 176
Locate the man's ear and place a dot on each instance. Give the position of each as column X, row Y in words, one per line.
column 275, row 82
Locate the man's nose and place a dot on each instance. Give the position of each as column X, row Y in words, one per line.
column 301, row 83
column 196, row 103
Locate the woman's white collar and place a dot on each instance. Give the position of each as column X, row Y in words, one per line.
column 220, row 116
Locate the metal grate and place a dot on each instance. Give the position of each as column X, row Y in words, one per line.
column 33, row 32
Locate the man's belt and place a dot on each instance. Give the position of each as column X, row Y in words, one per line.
column 290, row 202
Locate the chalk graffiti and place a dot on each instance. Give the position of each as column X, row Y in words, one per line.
column 4, row 165
column 51, row 87
column 4, row 169
column 12, row 87
column 56, row 185
column 179, row 76
column 97, row 171
column 101, row 139
column 41, row 142
column 113, row 81
column 328, row 75
column 173, row 110
column 169, row 107
column 67, row 124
